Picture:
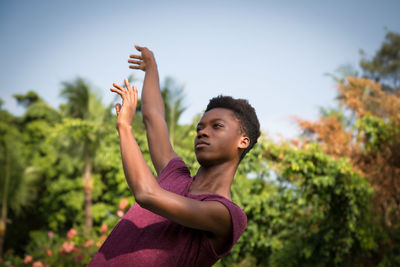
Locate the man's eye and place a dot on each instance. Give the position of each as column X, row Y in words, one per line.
column 218, row 125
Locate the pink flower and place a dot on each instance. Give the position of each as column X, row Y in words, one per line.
column 67, row 247
column 49, row 252
column 124, row 202
column 71, row 233
column 28, row 259
column 50, row 234
column 37, row 264
column 120, row 213
column 104, row 228
column 89, row 243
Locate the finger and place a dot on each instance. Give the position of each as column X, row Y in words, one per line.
column 138, row 48
column 116, row 90
column 135, row 67
column 128, row 86
column 129, row 90
column 119, row 87
column 135, row 95
column 134, row 61
column 117, row 108
column 132, row 92
column 120, row 92
column 135, row 56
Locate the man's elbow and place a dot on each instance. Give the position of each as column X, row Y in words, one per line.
column 146, row 117
column 145, row 196
column 140, row 199
column 151, row 116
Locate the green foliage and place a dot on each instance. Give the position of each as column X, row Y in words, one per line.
column 303, row 207
column 17, row 184
column 27, row 99
column 376, row 131
column 309, row 213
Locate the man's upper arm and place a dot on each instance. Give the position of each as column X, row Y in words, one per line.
column 161, row 151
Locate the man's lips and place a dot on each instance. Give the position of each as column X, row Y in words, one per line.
column 201, row 144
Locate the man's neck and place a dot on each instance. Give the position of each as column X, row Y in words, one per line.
column 216, row 179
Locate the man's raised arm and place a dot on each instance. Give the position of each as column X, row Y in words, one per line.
column 153, row 109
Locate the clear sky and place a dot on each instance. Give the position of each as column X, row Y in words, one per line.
column 273, row 53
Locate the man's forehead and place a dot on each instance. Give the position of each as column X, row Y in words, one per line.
column 218, row 113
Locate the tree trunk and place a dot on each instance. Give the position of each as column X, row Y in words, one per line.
column 3, row 219
column 87, row 189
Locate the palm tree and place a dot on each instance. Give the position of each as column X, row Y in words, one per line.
column 84, row 105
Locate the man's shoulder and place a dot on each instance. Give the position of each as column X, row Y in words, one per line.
column 176, row 164
column 175, row 177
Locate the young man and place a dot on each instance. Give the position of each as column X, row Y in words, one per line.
column 178, row 220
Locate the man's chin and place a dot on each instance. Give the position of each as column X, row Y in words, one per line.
column 203, row 160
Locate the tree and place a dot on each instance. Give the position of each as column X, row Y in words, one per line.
column 304, row 208
column 17, row 183
column 294, row 195
column 365, row 127
column 22, row 141
column 384, row 67
column 370, row 138
column 88, row 114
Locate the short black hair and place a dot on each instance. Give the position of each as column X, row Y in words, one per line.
column 244, row 112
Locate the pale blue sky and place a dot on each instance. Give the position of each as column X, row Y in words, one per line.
column 274, row 53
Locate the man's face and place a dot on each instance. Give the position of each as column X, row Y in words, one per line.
column 218, row 137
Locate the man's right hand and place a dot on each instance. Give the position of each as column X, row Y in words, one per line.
column 143, row 61
column 153, row 110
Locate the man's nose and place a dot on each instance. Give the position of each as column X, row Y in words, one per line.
column 202, row 133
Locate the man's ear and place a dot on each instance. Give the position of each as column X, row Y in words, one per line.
column 244, row 142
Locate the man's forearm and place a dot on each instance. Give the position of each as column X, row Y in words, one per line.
column 151, row 96
column 138, row 175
